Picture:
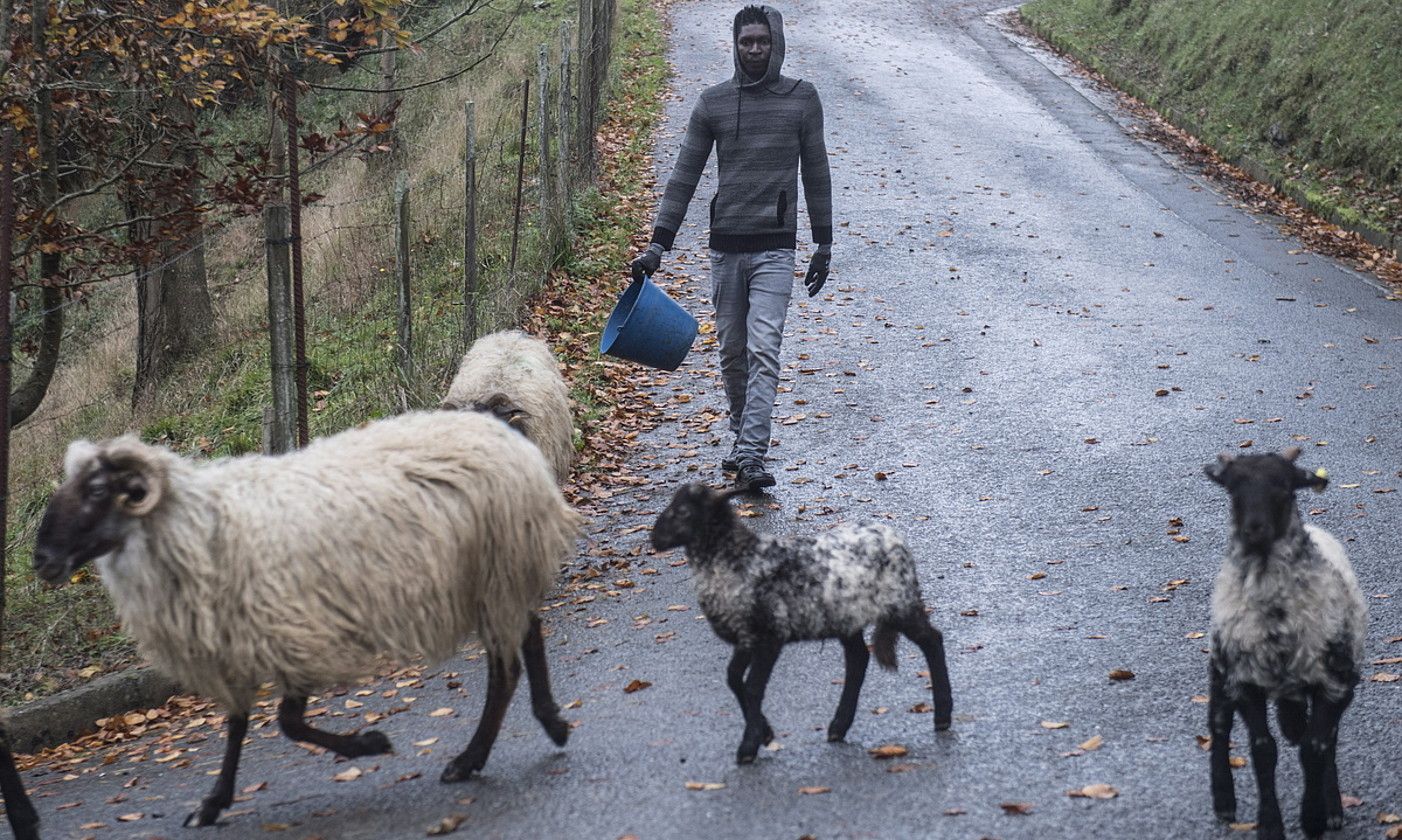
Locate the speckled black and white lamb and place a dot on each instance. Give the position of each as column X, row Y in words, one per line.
column 760, row 592
column 1288, row 624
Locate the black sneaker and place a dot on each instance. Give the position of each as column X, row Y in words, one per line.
column 752, row 476
column 729, row 464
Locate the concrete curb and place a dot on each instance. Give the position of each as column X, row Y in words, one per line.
column 1379, row 238
column 71, row 714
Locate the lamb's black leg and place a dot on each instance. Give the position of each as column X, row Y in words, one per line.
column 222, row 796
column 1293, row 716
column 501, row 684
column 1252, row 706
column 735, row 678
column 1219, row 724
column 24, row 821
column 291, row 716
column 538, row 676
column 918, row 629
column 1322, row 808
column 856, row 658
column 756, row 727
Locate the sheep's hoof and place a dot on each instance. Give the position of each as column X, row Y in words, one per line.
column 768, row 736
column 942, row 724
column 459, row 770
column 837, row 732
column 1334, row 822
column 557, row 728
column 1226, row 813
column 746, row 754
column 1272, row 832
column 206, row 815
column 372, row 742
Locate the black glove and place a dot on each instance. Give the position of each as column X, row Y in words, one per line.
column 818, row 269
column 647, row 262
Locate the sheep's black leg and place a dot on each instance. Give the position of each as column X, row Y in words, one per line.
column 1252, row 706
column 735, row 678
column 222, row 796
column 856, row 658
column 1219, row 724
column 1293, row 716
column 538, row 675
column 24, row 821
column 756, row 727
column 1321, row 808
column 291, row 717
column 918, row 629
column 501, row 684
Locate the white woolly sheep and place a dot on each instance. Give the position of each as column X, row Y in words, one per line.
column 515, row 377
column 760, row 592
column 1288, row 624
column 24, row 821
column 398, row 539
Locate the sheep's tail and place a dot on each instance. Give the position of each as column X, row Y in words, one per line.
column 883, row 643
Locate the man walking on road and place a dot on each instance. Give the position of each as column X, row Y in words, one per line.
column 763, row 125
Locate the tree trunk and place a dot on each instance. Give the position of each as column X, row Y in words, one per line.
column 174, row 314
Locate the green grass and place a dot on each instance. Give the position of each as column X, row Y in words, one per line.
column 1311, row 89
column 214, row 405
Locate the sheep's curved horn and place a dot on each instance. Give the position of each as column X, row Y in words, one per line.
column 145, row 479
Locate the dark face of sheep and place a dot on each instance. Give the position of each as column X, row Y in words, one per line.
column 90, row 515
column 694, row 512
column 1262, row 488
column 501, row 407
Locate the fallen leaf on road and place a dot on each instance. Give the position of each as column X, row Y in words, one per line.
column 888, row 751
column 447, row 825
column 130, row 817
column 1384, row 818
column 1251, row 826
column 271, row 827
column 1385, row 678
column 1101, row 791
column 954, row 812
column 348, row 775
column 636, row 685
column 1351, row 801
column 1121, row 674
column 1196, row 634
column 1237, row 762
column 427, row 742
column 1022, row 808
column 902, row 768
column 814, row 790
column 1092, row 743
column 443, row 712
column 705, row 785
column 1055, row 724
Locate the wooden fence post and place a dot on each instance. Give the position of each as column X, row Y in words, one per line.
column 405, row 348
column 469, row 251
column 543, row 158
column 520, row 175
column 565, row 178
column 282, row 431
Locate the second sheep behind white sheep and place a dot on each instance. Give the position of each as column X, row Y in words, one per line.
column 515, row 377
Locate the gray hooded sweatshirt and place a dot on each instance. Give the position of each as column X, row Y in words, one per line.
column 761, row 131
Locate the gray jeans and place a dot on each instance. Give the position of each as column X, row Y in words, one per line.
column 751, row 294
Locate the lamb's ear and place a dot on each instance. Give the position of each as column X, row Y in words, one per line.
column 1214, row 471
column 141, row 475
column 1290, row 453
column 1317, row 480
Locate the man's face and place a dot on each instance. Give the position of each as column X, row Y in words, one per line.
column 754, row 45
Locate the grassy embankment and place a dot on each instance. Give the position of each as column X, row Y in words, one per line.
column 1311, row 90
column 214, row 405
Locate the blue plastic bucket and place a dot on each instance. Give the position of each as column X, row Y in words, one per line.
column 649, row 328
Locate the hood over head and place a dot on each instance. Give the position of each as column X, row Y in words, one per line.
column 776, row 53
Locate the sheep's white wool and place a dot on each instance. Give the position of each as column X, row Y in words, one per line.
column 1280, row 622
column 398, row 539
column 522, row 368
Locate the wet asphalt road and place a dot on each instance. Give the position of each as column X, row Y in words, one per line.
column 1016, row 278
